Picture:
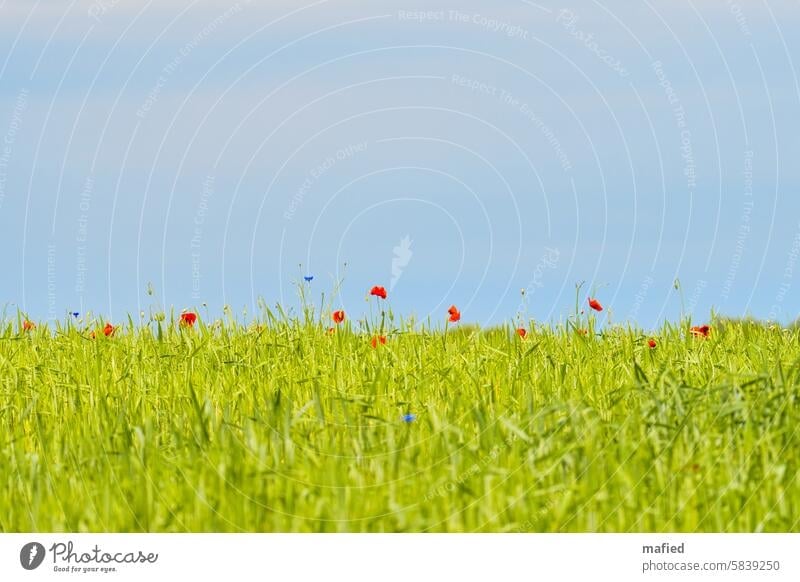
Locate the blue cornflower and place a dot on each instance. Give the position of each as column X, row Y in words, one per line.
column 75, row 314
column 409, row 418
column 309, row 278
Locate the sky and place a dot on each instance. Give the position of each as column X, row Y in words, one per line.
column 453, row 152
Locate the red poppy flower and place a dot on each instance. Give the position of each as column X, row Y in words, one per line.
column 28, row 325
column 455, row 314
column 378, row 339
column 338, row 317
column 522, row 332
column 109, row 330
column 652, row 343
column 188, row 318
column 378, row 292
column 595, row 304
column 701, row 331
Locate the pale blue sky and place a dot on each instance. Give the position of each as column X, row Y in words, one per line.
column 210, row 149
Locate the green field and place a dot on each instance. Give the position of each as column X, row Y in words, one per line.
column 281, row 426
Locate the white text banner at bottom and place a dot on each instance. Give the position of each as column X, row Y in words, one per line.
column 401, row 557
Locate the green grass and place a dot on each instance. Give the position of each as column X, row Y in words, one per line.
column 283, row 427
